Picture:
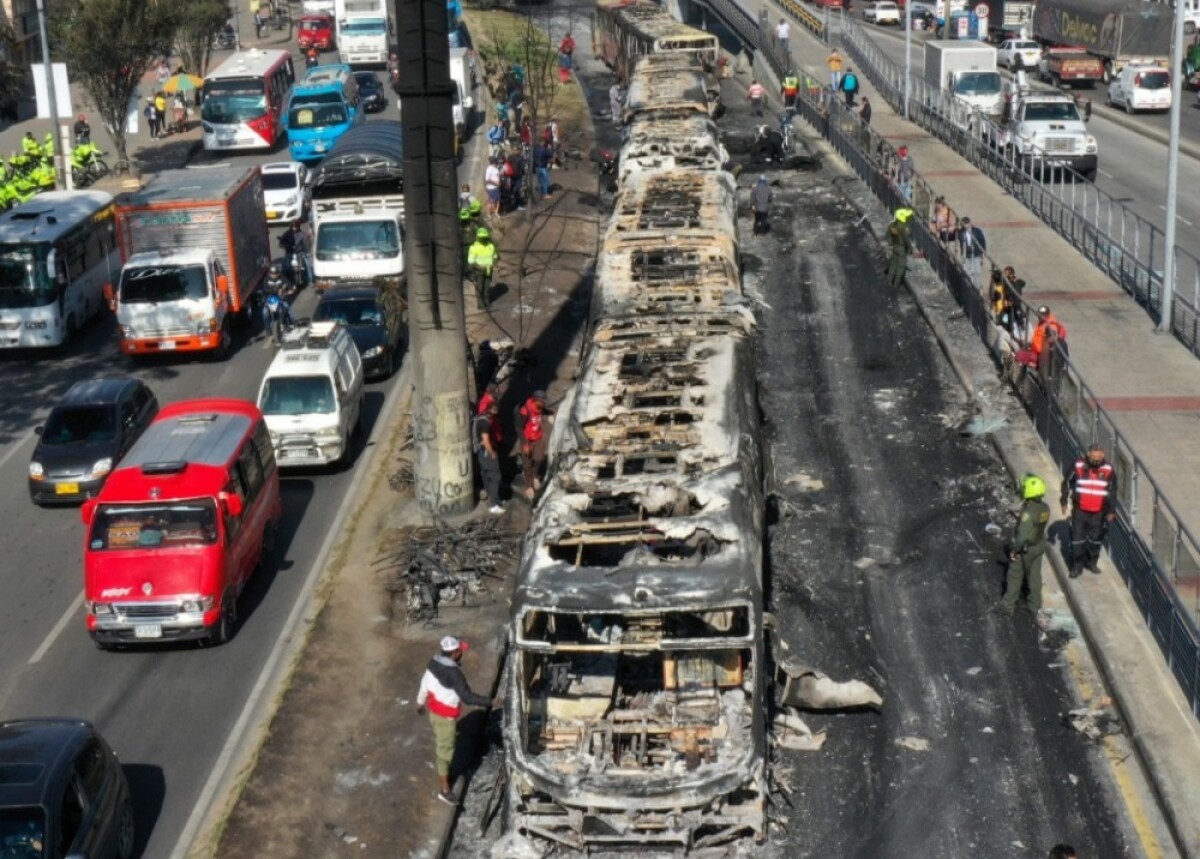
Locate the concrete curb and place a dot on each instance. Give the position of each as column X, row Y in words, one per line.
column 1124, row 676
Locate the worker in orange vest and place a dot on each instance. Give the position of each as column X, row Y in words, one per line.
column 1046, row 333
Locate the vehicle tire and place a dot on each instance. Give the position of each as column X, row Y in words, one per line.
column 268, row 546
column 97, row 169
column 1129, row 107
column 1108, row 99
column 125, row 831
column 1090, row 175
column 221, row 353
column 72, row 325
column 223, row 632
column 102, row 646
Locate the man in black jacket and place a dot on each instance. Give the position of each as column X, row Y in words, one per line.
column 443, row 691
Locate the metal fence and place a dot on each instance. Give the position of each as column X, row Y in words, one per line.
column 1121, row 243
column 1156, row 554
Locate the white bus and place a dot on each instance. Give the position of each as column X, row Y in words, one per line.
column 56, row 253
column 244, row 101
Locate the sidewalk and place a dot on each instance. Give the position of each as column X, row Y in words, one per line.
column 1150, row 386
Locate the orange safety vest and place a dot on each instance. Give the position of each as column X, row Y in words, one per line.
column 1092, row 485
column 1038, row 341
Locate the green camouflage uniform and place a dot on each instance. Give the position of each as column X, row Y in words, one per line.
column 1025, row 564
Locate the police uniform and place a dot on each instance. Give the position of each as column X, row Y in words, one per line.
column 900, row 244
column 1026, row 551
column 481, row 259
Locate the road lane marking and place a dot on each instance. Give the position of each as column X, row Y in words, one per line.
column 1107, row 175
column 67, row 617
column 1177, row 217
column 12, row 450
column 294, row 632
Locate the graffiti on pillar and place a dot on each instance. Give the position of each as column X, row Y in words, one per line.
column 444, row 480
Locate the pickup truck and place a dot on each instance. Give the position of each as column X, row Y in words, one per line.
column 1070, row 67
column 1045, row 132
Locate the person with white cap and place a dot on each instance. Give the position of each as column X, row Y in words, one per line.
column 443, row 692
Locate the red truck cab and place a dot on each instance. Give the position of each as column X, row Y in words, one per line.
column 179, row 528
column 316, row 31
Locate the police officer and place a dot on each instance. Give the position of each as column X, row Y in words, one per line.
column 790, row 89
column 1027, row 548
column 481, row 261
column 1092, row 486
column 900, row 246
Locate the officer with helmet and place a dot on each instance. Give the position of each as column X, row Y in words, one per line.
column 1027, row 548
column 482, row 257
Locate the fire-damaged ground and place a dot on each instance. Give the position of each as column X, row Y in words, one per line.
column 882, row 568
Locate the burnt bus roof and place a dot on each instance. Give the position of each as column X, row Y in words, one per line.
column 368, row 154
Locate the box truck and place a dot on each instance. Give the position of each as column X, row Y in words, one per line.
column 966, row 70
column 1119, row 32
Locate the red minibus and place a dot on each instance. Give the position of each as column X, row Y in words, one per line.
column 178, row 529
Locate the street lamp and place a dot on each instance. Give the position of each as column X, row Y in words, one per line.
column 50, row 93
column 1168, row 292
column 907, row 13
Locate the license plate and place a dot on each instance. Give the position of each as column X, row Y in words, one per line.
column 272, row 215
column 66, row 489
column 147, row 630
column 167, row 345
column 295, row 454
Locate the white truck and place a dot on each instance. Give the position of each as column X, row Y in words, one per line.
column 358, row 209
column 966, row 70
column 1046, row 132
column 363, row 32
column 464, row 99
column 195, row 249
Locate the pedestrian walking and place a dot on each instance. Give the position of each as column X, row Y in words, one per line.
column 1091, row 484
column 482, row 258
column 566, row 50
column 850, row 86
column 864, row 112
column 442, row 693
column 900, row 246
column 783, row 33
column 151, row 114
column 487, row 453
column 259, row 23
column 531, row 430
column 615, row 97
column 162, row 74
column 760, row 205
column 179, row 107
column 834, row 61
column 757, row 94
column 543, row 157
column 503, row 118
column 1026, row 549
column 789, row 89
column 903, row 172
column 491, row 186
column 973, row 243
column 160, row 105
column 516, row 103
column 942, row 222
column 1048, row 333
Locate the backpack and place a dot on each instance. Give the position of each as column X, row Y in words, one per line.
column 851, row 83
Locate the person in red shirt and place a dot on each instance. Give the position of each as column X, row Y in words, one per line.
column 534, row 437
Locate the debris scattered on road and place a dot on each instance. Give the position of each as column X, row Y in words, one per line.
column 984, row 425
column 1095, row 723
column 401, row 478
column 916, row 744
column 805, row 482
column 975, row 670
column 791, row 732
column 514, row 845
column 437, row 564
column 808, row 688
column 987, row 730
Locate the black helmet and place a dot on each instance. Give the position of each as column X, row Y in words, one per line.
column 275, row 268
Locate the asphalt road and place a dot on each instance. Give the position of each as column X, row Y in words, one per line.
column 1133, row 168
column 881, row 569
column 167, row 711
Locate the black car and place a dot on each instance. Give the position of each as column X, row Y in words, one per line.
column 370, row 90
column 375, row 319
column 85, row 436
column 62, row 793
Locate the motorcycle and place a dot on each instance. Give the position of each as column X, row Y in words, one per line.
column 86, row 165
column 311, row 59
column 226, row 40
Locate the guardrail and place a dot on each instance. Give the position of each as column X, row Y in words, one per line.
column 1156, row 554
column 1122, row 244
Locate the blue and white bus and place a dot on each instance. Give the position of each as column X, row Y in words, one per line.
column 323, row 106
column 56, row 253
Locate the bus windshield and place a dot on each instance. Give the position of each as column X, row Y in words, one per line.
column 227, row 102
column 24, row 281
column 154, row 526
column 151, row 284
column 317, row 112
column 357, row 240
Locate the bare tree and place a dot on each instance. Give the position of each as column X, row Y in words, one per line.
column 528, row 45
column 201, row 22
column 109, row 45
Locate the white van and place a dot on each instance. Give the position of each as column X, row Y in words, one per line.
column 1141, row 87
column 312, row 396
column 464, row 99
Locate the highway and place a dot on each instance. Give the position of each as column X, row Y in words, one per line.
column 167, row 711
column 1133, row 167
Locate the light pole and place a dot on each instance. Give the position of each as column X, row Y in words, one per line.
column 50, row 93
column 906, row 11
column 1168, row 292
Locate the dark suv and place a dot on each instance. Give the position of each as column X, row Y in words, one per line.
column 62, row 793
column 375, row 319
column 85, row 436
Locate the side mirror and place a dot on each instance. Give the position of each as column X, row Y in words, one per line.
column 88, row 511
column 232, row 502
column 110, row 297
column 38, row 430
column 223, row 284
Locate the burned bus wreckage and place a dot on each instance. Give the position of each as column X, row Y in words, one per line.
column 636, row 685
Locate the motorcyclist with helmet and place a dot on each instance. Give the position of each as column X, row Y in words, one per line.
column 277, row 287
column 295, row 244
